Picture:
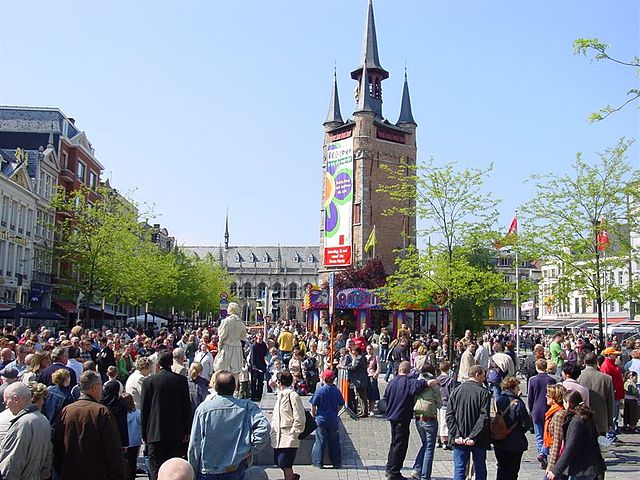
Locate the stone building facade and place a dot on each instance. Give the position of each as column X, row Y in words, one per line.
column 375, row 142
column 257, row 271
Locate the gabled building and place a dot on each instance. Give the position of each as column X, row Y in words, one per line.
column 68, row 161
column 19, row 201
column 257, row 271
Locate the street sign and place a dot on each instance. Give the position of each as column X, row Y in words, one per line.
column 527, row 306
column 224, row 295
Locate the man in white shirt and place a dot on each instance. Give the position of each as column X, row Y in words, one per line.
column 503, row 361
column 482, row 354
column 73, row 362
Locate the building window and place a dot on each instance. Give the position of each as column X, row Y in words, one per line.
column 291, row 312
column 14, row 215
column 356, row 213
column 293, row 290
column 80, row 171
column 620, row 277
column 93, row 180
column 65, row 160
column 262, row 290
column 247, row 290
column 233, row 290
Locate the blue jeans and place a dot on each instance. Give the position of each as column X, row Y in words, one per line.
column 495, row 390
column 538, row 428
column 391, row 366
column 326, row 435
column 461, row 455
column 428, row 431
column 237, row 475
column 613, row 432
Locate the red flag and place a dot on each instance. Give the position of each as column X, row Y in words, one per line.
column 603, row 236
column 513, row 229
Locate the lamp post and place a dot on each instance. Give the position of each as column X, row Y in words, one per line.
column 102, row 313
column 146, row 314
column 18, row 301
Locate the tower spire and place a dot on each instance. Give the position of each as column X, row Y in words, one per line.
column 369, row 55
column 370, row 69
column 334, row 117
column 226, row 230
column 406, row 116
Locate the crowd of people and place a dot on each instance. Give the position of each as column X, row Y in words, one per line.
column 81, row 404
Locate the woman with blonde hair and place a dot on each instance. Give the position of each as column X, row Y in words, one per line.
column 198, row 386
column 553, row 417
column 37, row 363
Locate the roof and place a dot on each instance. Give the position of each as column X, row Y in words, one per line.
column 369, row 57
column 264, row 258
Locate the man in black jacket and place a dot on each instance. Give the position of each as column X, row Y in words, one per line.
column 400, row 394
column 358, row 380
column 468, row 421
column 165, row 415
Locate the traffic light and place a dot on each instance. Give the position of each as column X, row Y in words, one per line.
column 275, row 304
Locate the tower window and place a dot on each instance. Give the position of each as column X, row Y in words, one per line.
column 356, row 213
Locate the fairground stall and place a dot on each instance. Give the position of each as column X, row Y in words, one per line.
column 355, row 308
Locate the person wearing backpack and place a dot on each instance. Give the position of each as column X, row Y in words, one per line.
column 500, row 367
column 515, row 421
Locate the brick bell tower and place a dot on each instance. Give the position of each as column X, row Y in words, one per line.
column 353, row 153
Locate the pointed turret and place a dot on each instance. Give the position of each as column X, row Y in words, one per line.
column 370, row 70
column 406, row 116
column 226, row 230
column 364, row 95
column 334, row 117
column 369, row 55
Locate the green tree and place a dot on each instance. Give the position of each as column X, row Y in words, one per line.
column 586, row 46
column 568, row 218
column 105, row 253
column 458, row 216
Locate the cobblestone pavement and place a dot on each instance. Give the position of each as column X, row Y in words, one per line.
column 365, row 443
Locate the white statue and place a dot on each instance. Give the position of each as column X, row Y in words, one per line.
column 231, row 333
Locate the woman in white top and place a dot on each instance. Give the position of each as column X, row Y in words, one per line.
column 204, row 358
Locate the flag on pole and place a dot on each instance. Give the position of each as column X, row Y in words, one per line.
column 603, row 236
column 513, row 228
column 371, row 242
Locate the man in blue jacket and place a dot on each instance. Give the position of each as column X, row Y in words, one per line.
column 400, row 395
column 325, row 405
column 226, row 432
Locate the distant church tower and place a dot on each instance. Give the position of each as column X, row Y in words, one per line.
column 353, row 152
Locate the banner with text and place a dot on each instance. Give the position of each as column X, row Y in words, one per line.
column 338, row 197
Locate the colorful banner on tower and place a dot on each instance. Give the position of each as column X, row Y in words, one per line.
column 338, row 198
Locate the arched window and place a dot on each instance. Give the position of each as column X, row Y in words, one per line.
column 233, row 289
column 293, row 290
column 246, row 290
column 276, row 287
column 291, row 312
column 262, row 290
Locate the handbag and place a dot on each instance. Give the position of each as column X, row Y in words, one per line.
column 309, row 425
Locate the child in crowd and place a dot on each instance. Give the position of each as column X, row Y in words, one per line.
column 631, row 399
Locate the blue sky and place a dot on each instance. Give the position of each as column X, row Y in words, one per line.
column 199, row 105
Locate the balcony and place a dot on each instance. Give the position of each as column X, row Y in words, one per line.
column 42, row 277
column 67, row 175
